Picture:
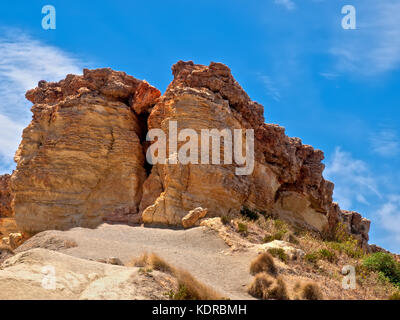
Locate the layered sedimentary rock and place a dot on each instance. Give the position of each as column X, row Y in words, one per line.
column 81, row 161
column 287, row 179
column 356, row 225
column 82, row 158
column 5, row 196
column 7, row 221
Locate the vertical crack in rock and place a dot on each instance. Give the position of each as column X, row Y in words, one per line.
column 81, row 161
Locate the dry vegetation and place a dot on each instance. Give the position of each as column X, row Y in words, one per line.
column 188, row 287
column 319, row 274
column 316, row 276
column 310, row 291
column 263, row 263
column 266, row 287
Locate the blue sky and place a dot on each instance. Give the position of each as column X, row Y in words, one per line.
column 336, row 89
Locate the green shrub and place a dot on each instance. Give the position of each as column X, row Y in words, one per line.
column 385, row 264
column 181, row 294
column 280, row 225
column 276, row 236
column 340, row 233
column 312, row 257
column 242, row 228
column 268, row 238
column 350, row 247
column 225, row 220
column 279, row 253
column 327, row 255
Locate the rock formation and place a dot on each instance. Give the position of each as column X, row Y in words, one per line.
column 287, row 179
column 5, row 196
column 81, row 161
column 356, row 225
column 7, row 221
column 82, row 158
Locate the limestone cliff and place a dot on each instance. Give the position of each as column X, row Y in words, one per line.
column 5, row 196
column 287, row 180
column 7, row 221
column 81, row 161
column 82, row 158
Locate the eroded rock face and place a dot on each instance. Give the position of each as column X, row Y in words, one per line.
column 5, row 196
column 7, row 221
column 356, row 225
column 287, row 179
column 81, row 161
column 82, row 158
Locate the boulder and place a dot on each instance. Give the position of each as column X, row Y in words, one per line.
column 292, row 252
column 193, row 217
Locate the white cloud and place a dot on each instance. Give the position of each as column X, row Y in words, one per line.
column 328, row 75
column 272, row 91
column 353, row 180
column 9, row 139
column 390, row 213
column 23, row 62
column 389, row 219
column 288, row 4
column 385, row 143
column 375, row 46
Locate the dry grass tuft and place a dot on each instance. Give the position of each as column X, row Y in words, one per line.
column 140, row 262
column 260, row 286
column 192, row 289
column 159, row 264
column 189, row 287
column 151, row 261
column 279, row 290
column 310, row 291
column 266, row 287
column 263, row 263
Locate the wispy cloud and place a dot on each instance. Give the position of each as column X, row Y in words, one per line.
column 389, row 217
column 9, row 138
column 23, row 62
column 329, row 75
column 375, row 46
column 272, row 91
column 385, row 143
column 353, row 180
column 288, row 4
column 356, row 186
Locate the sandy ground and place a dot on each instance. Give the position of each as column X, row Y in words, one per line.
column 199, row 250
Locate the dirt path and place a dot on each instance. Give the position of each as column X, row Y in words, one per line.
column 199, row 250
